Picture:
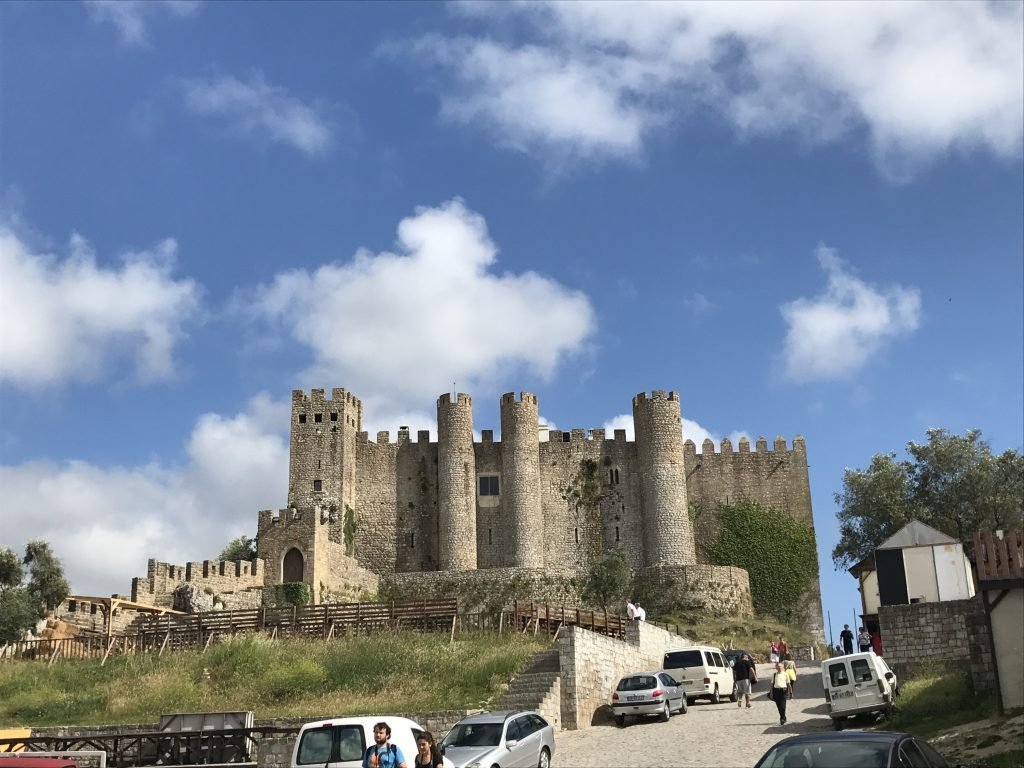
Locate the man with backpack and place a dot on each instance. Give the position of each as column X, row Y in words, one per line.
column 382, row 753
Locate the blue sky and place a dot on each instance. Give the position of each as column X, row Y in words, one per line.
column 806, row 218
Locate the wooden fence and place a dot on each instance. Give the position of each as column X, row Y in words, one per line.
column 197, row 631
column 999, row 559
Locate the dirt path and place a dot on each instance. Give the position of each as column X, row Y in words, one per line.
column 707, row 735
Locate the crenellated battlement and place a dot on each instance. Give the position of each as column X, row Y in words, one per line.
column 595, row 435
column 725, row 447
column 655, row 396
column 161, row 579
column 460, row 399
column 524, row 397
column 341, row 408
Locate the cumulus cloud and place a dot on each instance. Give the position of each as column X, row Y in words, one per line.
column 833, row 335
column 236, row 465
column 260, row 110
column 699, row 304
column 69, row 318
column 920, row 78
column 691, row 431
column 399, row 328
column 130, row 17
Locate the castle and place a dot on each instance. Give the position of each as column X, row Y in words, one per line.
column 538, row 501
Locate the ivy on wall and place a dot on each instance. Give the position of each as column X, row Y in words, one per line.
column 349, row 531
column 291, row 593
column 777, row 552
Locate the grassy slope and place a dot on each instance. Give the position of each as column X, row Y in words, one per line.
column 382, row 673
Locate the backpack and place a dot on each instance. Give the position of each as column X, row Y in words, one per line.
column 371, row 751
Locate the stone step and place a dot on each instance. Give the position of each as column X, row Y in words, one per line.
column 544, row 661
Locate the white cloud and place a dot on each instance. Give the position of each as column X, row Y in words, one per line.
column 260, row 110
column 921, row 78
column 236, row 466
column 691, row 431
column 833, row 335
column 68, row 318
column 399, row 328
column 130, row 17
column 699, row 304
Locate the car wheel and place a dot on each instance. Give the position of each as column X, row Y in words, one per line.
column 732, row 696
column 666, row 713
column 837, row 723
column 620, row 720
column 685, row 707
column 545, row 759
column 715, row 698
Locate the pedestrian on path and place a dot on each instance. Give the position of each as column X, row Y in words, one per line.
column 742, row 673
column 428, row 755
column 779, row 686
column 864, row 640
column 847, row 637
column 790, row 667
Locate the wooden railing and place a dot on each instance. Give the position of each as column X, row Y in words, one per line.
column 999, row 559
column 199, row 631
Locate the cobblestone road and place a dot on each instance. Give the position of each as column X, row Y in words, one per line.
column 707, row 735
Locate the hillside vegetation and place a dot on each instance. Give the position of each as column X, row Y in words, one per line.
column 391, row 673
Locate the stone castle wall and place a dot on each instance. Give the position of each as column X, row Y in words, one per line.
column 220, row 576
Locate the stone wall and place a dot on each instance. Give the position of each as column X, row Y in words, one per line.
column 92, row 616
column 476, row 589
column 717, row 590
column 592, row 664
column 220, row 576
column 917, row 635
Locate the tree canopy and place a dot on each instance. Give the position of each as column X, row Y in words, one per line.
column 23, row 603
column 608, row 580
column 242, row 548
column 954, row 483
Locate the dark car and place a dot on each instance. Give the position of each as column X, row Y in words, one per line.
column 852, row 749
column 732, row 655
column 25, row 760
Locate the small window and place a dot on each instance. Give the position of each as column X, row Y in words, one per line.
column 613, row 476
column 489, row 536
column 72, row 606
column 861, row 671
column 616, row 534
column 318, row 463
column 837, row 675
column 412, row 540
column 489, row 485
column 92, row 608
column 317, row 486
column 318, row 417
column 566, row 437
column 334, row 415
column 576, row 534
column 302, row 418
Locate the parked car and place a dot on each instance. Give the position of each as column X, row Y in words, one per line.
column 25, row 760
column 514, row 739
column 647, row 693
column 857, row 684
column 341, row 742
column 702, row 672
column 852, row 749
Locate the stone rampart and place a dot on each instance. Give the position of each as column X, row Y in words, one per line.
column 921, row 634
column 220, row 576
column 478, row 590
column 716, row 590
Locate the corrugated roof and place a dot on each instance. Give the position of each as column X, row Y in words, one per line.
column 915, row 534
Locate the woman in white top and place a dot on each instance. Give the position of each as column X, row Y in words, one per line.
column 777, row 692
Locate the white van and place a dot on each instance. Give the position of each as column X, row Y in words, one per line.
column 857, row 684
column 702, row 672
column 341, row 742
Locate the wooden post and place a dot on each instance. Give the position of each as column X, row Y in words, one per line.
column 56, row 651
column 164, row 643
column 501, row 621
column 330, row 632
column 209, row 637
column 110, row 647
column 273, row 635
column 452, row 638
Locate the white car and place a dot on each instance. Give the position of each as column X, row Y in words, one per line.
column 341, row 742
column 702, row 672
column 858, row 684
column 506, row 739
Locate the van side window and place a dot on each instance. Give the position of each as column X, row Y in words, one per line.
column 707, row 657
column 837, row 675
column 861, row 671
column 719, row 661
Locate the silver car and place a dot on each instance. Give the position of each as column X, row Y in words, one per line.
column 648, row 693
column 503, row 739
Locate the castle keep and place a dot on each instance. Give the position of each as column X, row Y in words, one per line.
column 538, row 501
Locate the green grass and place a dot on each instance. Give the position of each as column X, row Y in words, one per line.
column 1012, row 759
column 390, row 673
column 750, row 635
column 938, row 698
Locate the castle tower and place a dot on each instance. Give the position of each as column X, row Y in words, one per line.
column 668, row 534
column 520, row 478
column 456, row 483
column 322, row 461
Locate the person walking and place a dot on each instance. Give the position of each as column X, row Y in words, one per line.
column 743, row 673
column 773, row 653
column 783, row 648
column 847, row 637
column 427, row 753
column 790, row 667
column 777, row 691
column 864, row 640
column 382, row 753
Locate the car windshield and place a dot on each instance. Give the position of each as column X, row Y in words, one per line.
column 827, row 754
column 474, row 735
column 637, row 683
column 683, row 659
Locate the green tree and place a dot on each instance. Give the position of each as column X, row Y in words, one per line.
column 608, row 579
column 778, row 553
column 22, row 602
column 953, row 483
column 242, row 548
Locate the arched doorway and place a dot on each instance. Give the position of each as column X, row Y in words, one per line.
column 293, row 567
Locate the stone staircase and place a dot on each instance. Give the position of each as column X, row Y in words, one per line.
column 538, row 687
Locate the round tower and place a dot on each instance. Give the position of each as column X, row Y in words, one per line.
column 456, row 483
column 520, row 478
column 668, row 534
